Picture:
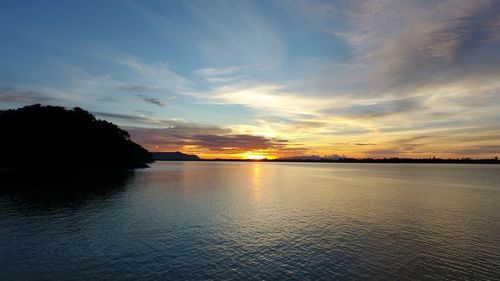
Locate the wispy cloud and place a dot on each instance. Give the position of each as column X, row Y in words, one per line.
column 158, row 74
column 23, row 97
column 380, row 109
column 270, row 99
column 215, row 72
column 137, row 88
column 151, row 100
column 139, row 120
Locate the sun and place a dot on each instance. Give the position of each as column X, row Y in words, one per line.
column 253, row 156
column 256, row 157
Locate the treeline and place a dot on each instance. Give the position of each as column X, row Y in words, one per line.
column 40, row 137
column 374, row 160
column 402, row 160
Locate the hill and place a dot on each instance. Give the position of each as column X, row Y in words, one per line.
column 174, row 156
column 51, row 136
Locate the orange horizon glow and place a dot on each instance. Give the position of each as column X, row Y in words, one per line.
column 362, row 152
column 253, row 156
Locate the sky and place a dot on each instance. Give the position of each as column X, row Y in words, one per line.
column 250, row 79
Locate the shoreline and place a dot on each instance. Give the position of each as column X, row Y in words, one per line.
column 369, row 161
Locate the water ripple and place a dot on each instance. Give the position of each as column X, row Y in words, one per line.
column 238, row 221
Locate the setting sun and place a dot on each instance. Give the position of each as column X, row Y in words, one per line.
column 252, row 156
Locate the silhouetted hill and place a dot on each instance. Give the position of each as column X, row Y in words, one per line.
column 174, row 156
column 50, row 136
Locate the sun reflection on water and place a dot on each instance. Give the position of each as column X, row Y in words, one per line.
column 256, row 182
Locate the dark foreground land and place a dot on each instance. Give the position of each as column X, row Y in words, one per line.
column 40, row 137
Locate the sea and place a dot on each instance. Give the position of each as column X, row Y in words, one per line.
column 252, row 221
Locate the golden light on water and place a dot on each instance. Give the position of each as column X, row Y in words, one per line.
column 256, row 182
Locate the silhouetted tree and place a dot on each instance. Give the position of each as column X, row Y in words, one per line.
column 52, row 136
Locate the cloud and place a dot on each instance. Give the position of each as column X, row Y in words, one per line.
column 238, row 143
column 346, row 130
column 214, row 72
column 224, row 33
column 481, row 150
column 151, row 100
column 158, row 74
column 12, row 95
column 208, row 140
column 223, row 76
column 107, row 99
column 140, row 120
column 430, row 43
column 137, row 88
column 380, row 109
column 269, row 99
column 407, row 48
column 172, row 135
column 450, row 142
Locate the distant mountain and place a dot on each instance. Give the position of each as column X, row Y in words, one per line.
column 174, row 156
column 312, row 158
column 38, row 137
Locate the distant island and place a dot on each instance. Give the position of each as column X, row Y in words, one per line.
column 174, row 156
column 430, row 160
column 179, row 156
column 372, row 160
column 40, row 137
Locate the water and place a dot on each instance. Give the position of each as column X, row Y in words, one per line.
column 253, row 221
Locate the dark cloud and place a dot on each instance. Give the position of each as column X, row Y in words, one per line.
column 173, row 134
column 363, row 144
column 210, row 138
column 236, row 142
column 151, row 100
column 11, row 95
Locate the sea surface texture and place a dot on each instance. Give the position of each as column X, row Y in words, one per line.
column 253, row 221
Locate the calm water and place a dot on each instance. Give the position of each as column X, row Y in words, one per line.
column 253, row 221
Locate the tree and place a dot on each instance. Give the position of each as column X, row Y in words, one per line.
column 52, row 136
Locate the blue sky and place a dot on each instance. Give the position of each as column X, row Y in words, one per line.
column 273, row 78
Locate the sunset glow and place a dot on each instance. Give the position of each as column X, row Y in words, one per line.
column 251, row 156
